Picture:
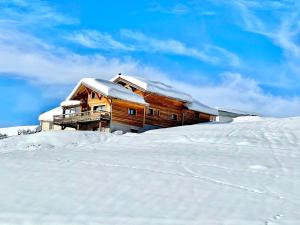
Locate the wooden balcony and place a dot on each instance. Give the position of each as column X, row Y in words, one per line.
column 82, row 117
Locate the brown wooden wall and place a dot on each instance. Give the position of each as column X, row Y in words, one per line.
column 120, row 113
column 163, row 109
column 192, row 117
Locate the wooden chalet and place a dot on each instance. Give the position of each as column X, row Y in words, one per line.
column 129, row 104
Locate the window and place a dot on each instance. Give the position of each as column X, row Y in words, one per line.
column 93, row 95
column 132, row 112
column 197, row 115
column 151, row 112
column 158, row 113
column 174, row 117
column 99, row 108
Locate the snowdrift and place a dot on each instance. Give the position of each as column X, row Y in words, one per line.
column 240, row 173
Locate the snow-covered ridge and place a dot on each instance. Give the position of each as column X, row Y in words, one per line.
column 240, row 173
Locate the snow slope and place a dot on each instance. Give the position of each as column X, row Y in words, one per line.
column 241, row 173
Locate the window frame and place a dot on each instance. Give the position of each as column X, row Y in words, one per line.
column 148, row 112
column 93, row 95
column 158, row 112
column 132, row 110
column 174, row 117
column 93, row 109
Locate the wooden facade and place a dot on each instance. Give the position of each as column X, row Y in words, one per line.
column 105, row 113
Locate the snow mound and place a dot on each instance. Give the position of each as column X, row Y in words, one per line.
column 248, row 119
column 55, row 139
column 234, row 173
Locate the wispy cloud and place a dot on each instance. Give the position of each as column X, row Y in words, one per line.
column 209, row 53
column 97, row 40
column 281, row 26
column 137, row 41
column 177, row 8
column 180, row 9
column 30, row 13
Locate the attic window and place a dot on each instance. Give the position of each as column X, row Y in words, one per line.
column 132, row 112
column 93, row 95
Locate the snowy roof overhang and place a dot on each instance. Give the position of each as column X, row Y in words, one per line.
column 70, row 103
column 156, row 87
column 48, row 116
column 109, row 89
column 199, row 107
column 236, row 112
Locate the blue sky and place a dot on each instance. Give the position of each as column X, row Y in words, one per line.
column 241, row 54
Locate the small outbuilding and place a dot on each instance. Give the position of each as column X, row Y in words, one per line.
column 227, row 115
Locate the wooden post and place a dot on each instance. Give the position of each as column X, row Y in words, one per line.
column 100, row 125
column 78, row 126
column 144, row 119
column 182, row 118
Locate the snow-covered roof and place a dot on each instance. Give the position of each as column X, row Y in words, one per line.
column 236, row 111
column 156, row 87
column 48, row 116
column 69, row 103
column 109, row 89
column 199, row 107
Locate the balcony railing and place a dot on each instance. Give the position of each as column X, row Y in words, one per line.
column 87, row 116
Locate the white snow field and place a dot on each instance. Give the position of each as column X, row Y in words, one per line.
column 241, row 173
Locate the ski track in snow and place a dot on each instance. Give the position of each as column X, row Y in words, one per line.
column 242, row 173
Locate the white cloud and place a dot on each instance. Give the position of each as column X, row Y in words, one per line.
column 30, row 13
column 97, row 40
column 62, row 67
column 177, row 9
